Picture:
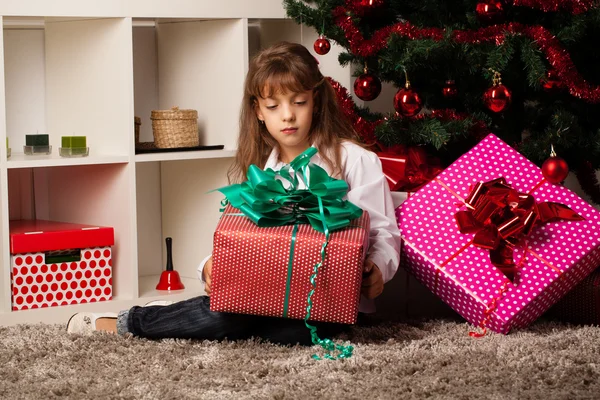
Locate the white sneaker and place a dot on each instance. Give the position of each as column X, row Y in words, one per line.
column 159, row 303
column 85, row 322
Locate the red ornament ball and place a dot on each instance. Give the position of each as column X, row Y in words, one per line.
column 407, row 102
column 490, row 11
column 367, row 87
column 371, row 4
column 322, row 45
column 555, row 169
column 450, row 90
column 497, row 98
column 552, row 81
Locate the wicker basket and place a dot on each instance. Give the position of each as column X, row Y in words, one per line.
column 175, row 128
column 137, row 121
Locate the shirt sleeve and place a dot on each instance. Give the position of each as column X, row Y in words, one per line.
column 201, row 267
column 369, row 190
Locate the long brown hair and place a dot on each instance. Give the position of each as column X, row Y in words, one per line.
column 289, row 67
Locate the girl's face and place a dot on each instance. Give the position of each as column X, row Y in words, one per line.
column 288, row 118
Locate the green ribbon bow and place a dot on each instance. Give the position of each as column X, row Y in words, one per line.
column 268, row 202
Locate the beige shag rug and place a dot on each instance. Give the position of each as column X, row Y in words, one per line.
column 391, row 361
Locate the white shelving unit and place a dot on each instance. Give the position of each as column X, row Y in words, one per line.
column 87, row 68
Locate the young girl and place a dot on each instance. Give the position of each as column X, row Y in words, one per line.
column 287, row 107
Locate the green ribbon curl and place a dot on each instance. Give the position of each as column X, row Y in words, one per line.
column 268, row 202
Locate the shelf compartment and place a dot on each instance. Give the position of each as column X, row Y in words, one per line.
column 99, row 195
column 69, row 77
column 191, row 64
column 173, row 200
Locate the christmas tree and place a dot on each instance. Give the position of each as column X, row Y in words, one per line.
column 525, row 70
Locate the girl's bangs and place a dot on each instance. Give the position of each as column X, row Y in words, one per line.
column 279, row 82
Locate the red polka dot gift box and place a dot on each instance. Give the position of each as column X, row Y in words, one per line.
column 267, row 270
column 496, row 241
column 57, row 263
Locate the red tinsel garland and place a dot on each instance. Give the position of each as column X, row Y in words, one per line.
column 557, row 56
column 366, row 129
column 572, row 6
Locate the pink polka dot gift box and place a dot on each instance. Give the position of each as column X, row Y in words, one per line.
column 496, row 241
column 57, row 263
column 267, row 270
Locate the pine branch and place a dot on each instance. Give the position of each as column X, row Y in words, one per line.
column 532, row 59
column 499, row 56
column 427, row 131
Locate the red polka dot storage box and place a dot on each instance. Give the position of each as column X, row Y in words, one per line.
column 266, row 271
column 552, row 259
column 57, row 263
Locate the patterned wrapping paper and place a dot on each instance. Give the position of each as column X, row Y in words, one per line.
column 36, row 284
column 559, row 254
column 250, row 272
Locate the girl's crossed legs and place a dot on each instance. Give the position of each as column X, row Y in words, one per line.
column 193, row 319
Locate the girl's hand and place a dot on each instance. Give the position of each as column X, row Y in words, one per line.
column 372, row 283
column 206, row 272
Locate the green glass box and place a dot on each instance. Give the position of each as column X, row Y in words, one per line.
column 74, row 146
column 37, row 144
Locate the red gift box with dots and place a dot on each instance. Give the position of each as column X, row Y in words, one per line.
column 556, row 256
column 57, row 263
column 266, row 271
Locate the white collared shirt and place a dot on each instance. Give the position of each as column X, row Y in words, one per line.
column 369, row 190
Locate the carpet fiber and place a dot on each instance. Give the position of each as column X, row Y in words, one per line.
column 391, row 361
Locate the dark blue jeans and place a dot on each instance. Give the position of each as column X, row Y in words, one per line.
column 193, row 319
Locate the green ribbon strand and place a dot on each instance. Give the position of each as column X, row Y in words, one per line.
column 275, row 198
column 288, row 281
column 327, row 344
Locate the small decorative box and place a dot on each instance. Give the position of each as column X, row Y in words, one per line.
column 175, row 128
column 57, row 263
column 74, row 146
column 37, row 144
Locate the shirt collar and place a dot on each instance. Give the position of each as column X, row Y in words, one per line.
column 274, row 163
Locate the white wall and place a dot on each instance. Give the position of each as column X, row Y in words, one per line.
column 24, row 77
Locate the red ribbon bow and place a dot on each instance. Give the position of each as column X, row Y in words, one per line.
column 407, row 169
column 503, row 217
